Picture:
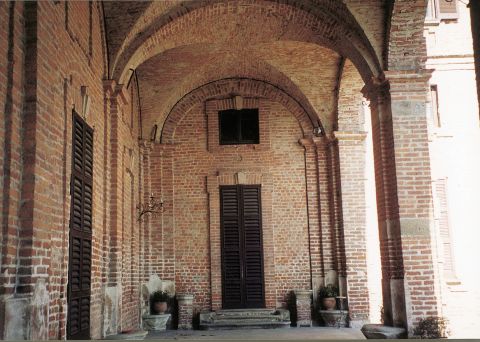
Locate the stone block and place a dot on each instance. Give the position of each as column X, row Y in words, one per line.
column 185, row 311
column 304, row 307
column 380, row 331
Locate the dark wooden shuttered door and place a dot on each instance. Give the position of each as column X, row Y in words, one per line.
column 242, row 248
column 80, row 254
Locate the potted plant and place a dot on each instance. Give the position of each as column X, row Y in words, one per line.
column 432, row 327
column 159, row 302
column 327, row 294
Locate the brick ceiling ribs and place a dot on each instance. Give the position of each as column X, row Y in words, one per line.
column 177, row 46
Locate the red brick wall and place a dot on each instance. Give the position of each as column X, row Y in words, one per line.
column 61, row 57
column 279, row 156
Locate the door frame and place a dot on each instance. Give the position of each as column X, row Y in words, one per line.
column 246, row 177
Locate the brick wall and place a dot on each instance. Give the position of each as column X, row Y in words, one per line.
column 60, row 57
column 278, row 156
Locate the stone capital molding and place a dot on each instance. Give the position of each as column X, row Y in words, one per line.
column 345, row 135
column 318, row 142
column 375, row 88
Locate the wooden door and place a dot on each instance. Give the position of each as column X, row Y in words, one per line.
column 80, row 237
column 242, row 247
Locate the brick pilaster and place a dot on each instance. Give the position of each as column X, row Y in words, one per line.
column 404, row 202
column 352, row 152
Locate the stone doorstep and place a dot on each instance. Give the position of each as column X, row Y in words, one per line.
column 245, row 318
column 257, row 324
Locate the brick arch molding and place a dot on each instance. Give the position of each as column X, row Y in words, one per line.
column 230, row 87
column 330, row 25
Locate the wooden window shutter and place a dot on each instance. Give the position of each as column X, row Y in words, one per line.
column 444, row 228
column 80, row 239
column 447, row 9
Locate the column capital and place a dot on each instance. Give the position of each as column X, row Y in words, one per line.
column 114, row 90
column 109, row 87
column 350, row 135
column 318, row 142
column 145, row 146
column 375, row 88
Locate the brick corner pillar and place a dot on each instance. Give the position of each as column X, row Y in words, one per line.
column 185, row 311
column 304, row 307
column 404, row 198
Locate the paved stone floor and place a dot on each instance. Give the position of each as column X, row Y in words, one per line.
column 292, row 334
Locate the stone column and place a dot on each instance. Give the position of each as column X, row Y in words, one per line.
column 304, row 307
column 185, row 311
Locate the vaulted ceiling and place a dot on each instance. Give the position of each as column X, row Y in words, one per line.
column 297, row 45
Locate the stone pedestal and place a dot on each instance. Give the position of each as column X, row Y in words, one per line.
column 185, row 311
column 334, row 318
column 304, row 307
column 155, row 322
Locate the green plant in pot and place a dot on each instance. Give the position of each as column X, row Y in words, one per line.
column 327, row 295
column 432, row 327
column 159, row 302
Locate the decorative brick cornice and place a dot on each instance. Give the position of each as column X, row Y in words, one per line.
column 408, row 82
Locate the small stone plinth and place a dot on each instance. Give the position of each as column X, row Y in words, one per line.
column 155, row 322
column 334, row 318
column 132, row 335
column 304, row 307
column 185, row 311
column 380, row 331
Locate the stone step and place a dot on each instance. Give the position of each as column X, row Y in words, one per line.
column 245, row 319
column 245, row 314
column 253, row 324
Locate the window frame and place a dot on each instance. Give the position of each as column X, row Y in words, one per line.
column 437, row 15
column 239, row 140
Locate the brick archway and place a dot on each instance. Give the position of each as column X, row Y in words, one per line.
column 231, row 87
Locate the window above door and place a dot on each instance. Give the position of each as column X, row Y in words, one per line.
column 238, row 126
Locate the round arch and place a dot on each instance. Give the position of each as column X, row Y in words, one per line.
column 231, row 87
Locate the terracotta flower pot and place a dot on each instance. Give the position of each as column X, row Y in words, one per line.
column 329, row 303
column 159, row 307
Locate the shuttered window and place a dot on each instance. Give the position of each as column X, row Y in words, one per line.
column 444, row 228
column 80, row 239
column 442, row 9
column 242, row 247
column 447, row 9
